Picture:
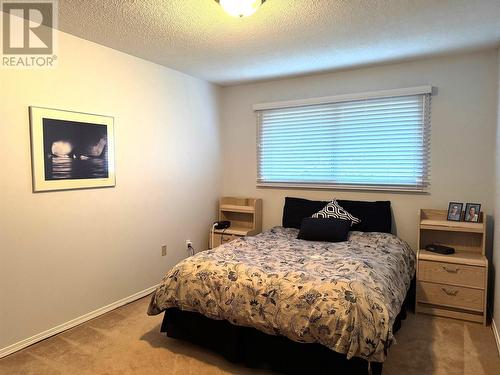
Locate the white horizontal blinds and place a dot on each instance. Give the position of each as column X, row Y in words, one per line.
column 370, row 143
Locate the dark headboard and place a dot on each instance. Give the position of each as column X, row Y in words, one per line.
column 375, row 216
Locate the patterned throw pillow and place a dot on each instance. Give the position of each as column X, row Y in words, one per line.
column 333, row 209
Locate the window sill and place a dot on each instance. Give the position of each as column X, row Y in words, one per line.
column 316, row 186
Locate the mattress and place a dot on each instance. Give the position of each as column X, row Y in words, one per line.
column 344, row 295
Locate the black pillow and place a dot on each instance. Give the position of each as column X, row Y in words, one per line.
column 324, row 229
column 296, row 209
column 374, row 216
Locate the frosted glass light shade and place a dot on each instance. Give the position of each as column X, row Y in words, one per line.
column 240, row 8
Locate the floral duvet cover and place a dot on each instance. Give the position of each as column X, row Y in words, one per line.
column 343, row 295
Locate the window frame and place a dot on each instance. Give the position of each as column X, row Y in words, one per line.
column 425, row 91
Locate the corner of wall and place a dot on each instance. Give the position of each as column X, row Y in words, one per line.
column 495, row 264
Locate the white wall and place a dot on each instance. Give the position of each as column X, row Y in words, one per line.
column 64, row 254
column 463, row 132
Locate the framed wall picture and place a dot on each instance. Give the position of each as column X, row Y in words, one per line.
column 71, row 150
column 455, row 211
column 472, row 211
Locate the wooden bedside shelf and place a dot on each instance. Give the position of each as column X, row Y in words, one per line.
column 454, row 285
column 236, row 208
column 237, row 231
column 436, row 220
column 245, row 215
column 463, row 257
column 470, row 228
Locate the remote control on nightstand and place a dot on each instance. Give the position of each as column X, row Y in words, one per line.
column 440, row 249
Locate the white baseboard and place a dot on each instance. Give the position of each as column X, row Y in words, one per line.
column 496, row 334
column 72, row 323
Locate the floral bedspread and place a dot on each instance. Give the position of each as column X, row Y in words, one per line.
column 343, row 295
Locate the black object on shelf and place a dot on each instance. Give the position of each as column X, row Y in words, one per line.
column 440, row 249
column 222, row 224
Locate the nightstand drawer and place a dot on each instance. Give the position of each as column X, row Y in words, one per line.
column 450, row 296
column 449, row 273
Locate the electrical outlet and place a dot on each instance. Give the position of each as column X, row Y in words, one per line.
column 163, row 250
column 189, row 244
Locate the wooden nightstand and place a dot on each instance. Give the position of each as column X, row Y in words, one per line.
column 245, row 215
column 455, row 285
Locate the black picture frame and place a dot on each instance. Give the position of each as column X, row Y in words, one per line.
column 477, row 212
column 455, row 211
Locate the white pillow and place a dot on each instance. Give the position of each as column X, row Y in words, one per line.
column 333, row 209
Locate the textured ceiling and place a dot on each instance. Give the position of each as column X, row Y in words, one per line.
column 285, row 37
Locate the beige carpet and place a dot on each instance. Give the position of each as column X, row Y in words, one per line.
column 126, row 341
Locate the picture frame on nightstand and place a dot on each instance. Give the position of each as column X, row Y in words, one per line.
column 455, row 211
column 472, row 212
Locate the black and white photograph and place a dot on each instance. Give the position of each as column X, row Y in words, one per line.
column 74, row 150
column 71, row 150
column 455, row 211
column 472, row 211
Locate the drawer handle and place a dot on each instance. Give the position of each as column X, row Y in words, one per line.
column 450, row 270
column 450, row 292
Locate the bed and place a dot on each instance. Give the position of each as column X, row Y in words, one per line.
column 339, row 302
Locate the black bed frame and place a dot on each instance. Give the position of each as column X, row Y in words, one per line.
column 259, row 350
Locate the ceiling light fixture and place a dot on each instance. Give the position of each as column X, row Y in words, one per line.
column 240, row 8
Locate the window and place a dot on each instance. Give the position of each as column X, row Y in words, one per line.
column 376, row 141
